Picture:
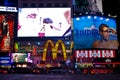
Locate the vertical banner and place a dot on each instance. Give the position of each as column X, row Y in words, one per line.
column 34, row 50
column 6, row 31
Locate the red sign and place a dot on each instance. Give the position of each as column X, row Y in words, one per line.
column 95, row 54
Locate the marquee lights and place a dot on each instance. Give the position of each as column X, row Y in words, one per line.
column 95, row 54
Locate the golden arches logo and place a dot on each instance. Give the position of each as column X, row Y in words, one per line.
column 54, row 49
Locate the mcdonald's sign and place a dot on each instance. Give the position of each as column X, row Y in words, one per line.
column 54, row 49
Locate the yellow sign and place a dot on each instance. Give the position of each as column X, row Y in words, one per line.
column 54, row 49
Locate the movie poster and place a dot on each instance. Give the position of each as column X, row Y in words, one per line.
column 6, row 31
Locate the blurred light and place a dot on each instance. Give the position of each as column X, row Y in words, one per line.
column 74, row 14
column 107, row 19
column 95, row 17
column 109, row 15
column 89, row 17
column 86, row 12
column 101, row 18
column 67, row 42
column 28, row 43
column 115, row 16
column 38, row 43
column 83, row 17
column 80, row 13
column 77, row 18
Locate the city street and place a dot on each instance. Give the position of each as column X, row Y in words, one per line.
column 59, row 77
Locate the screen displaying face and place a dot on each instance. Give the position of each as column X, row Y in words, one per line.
column 20, row 57
column 95, row 32
column 91, row 6
column 44, row 22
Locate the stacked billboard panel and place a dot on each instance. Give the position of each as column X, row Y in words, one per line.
column 8, row 14
column 90, row 6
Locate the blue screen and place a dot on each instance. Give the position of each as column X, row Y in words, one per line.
column 86, row 30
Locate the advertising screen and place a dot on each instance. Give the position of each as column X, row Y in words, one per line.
column 95, row 32
column 7, row 21
column 44, row 22
column 91, row 6
column 20, row 57
column 10, row 3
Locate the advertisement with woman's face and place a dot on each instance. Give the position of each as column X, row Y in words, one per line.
column 6, row 31
column 19, row 57
column 95, row 32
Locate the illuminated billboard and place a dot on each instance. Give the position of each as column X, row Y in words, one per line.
column 95, row 54
column 7, row 23
column 91, row 6
column 20, row 57
column 44, row 22
column 10, row 3
column 97, row 32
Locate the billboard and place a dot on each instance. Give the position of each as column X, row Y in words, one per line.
column 91, row 6
column 95, row 32
column 9, row 3
column 20, row 57
column 54, row 49
column 5, row 61
column 44, row 22
column 95, row 54
column 7, row 23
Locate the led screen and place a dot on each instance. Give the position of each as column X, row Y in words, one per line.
column 10, row 3
column 6, row 31
column 44, row 22
column 20, row 57
column 91, row 6
column 88, row 35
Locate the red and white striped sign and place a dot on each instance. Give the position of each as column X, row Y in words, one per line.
column 95, row 54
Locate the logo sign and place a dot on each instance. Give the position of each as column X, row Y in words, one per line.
column 4, row 61
column 9, row 9
column 95, row 54
column 54, row 49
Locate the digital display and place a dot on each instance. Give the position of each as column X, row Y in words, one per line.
column 20, row 57
column 91, row 6
column 95, row 32
column 6, row 31
column 44, row 22
column 10, row 3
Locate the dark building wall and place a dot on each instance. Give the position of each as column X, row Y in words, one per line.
column 44, row 3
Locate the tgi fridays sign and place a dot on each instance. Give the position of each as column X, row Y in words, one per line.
column 95, row 54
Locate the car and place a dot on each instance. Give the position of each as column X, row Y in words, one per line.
column 21, row 70
column 4, row 71
column 58, row 70
column 101, row 71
